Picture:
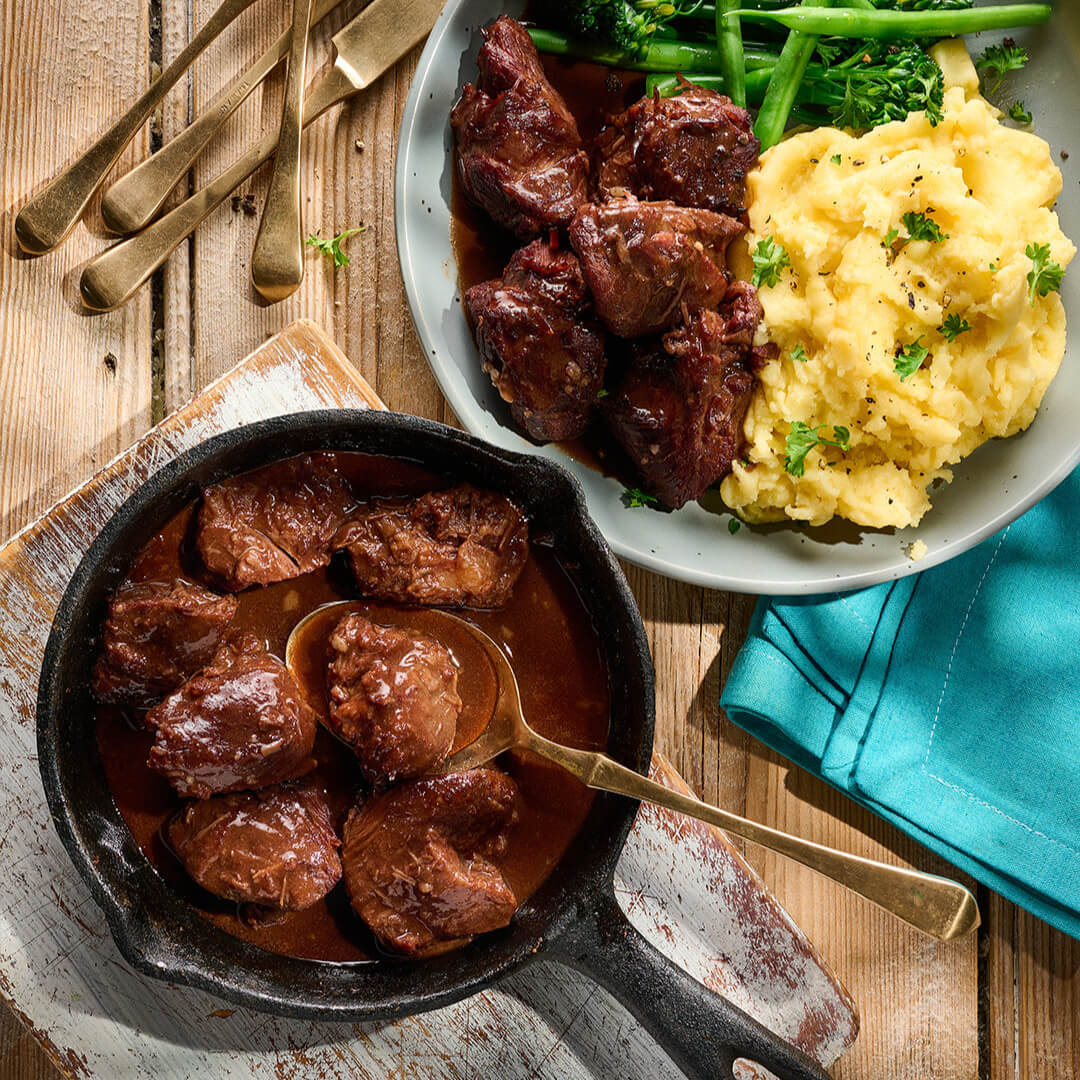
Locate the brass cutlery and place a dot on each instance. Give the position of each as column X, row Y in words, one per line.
column 937, row 906
column 138, row 195
column 372, row 42
column 277, row 263
column 45, row 221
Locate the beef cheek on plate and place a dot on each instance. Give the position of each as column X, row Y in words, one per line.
column 538, row 342
column 679, row 408
column 418, row 863
column 460, row 547
column 273, row 523
column 157, row 635
column 695, row 149
column 519, row 152
column 240, row 723
column 274, row 847
column 393, row 698
column 646, row 261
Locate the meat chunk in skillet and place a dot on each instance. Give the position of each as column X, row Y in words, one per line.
column 645, row 261
column 393, row 698
column 538, row 341
column 275, row 847
column 460, row 547
column 157, row 635
column 273, row 523
column 240, row 723
column 679, row 408
column 519, row 152
column 418, row 863
column 695, row 149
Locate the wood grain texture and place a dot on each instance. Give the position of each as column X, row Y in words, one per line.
column 59, row 416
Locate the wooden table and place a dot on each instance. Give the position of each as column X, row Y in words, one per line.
column 76, row 389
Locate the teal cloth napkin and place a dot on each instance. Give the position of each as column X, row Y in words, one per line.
column 948, row 703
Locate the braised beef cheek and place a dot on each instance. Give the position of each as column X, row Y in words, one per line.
column 240, row 723
column 418, row 860
column 519, row 153
column 645, row 261
column 275, row 847
column 695, row 149
column 538, row 341
column 273, row 523
column 679, row 408
column 461, row 547
column 156, row 636
column 393, row 698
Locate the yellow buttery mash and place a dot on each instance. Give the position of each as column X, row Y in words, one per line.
column 850, row 303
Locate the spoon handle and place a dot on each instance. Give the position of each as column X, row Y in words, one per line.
column 937, row 906
column 51, row 214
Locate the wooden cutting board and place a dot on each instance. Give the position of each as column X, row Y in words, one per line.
column 680, row 882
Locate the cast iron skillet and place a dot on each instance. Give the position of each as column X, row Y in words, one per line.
column 573, row 919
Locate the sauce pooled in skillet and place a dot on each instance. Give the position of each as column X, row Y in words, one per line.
column 543, row 628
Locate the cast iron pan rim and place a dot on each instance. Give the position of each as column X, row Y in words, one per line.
column 147, row 949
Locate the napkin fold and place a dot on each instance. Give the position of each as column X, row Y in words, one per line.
column 947, row 702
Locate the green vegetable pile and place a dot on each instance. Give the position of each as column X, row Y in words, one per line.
column 852, row 63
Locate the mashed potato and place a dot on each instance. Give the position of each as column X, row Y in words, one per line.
column 848, row 303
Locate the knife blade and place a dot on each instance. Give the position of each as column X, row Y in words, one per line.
column 364, row 48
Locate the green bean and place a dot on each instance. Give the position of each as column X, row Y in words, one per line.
column 784, row 85
column 889, row 24
column 729, row 44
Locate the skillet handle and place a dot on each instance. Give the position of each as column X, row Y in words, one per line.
column 702, row 1032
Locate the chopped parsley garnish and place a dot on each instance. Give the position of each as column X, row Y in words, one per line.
column 802, row 438
column 602, row 393
column 891, row 237
column 770, row 258
column 799, row 353
column 332, row 247
column 1019, row 113
column 910, row 358
column 953, row 327
column 836, row 159
column 632, row 497
column 734, row 525
column 994, row 268
column 1045, row 276
column 998, row 60
column 921, row 227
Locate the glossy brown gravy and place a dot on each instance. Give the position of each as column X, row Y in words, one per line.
column 545, row 631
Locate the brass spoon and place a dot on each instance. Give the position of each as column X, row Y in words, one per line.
column 942, row 908
column 51, row 214
column 277, row 263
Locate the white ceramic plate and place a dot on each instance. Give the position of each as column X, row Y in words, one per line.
column 991, row 488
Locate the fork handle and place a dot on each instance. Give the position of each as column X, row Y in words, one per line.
column 49, row 216
column 935, row 905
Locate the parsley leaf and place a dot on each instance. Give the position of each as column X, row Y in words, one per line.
column 997, row 60
column 922, row 227
column 333, row 247
column 836, row 159
column 1045, row 276
column 802, row 438
column 953, row 326
column 799, row 353
column 909, row 358
column 891, row 237
column 602, row 393
column 734, row 525
column 1019, row 113
column 632, row 497
column 770, row 258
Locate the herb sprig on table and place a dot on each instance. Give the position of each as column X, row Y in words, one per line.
column 332, row 246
